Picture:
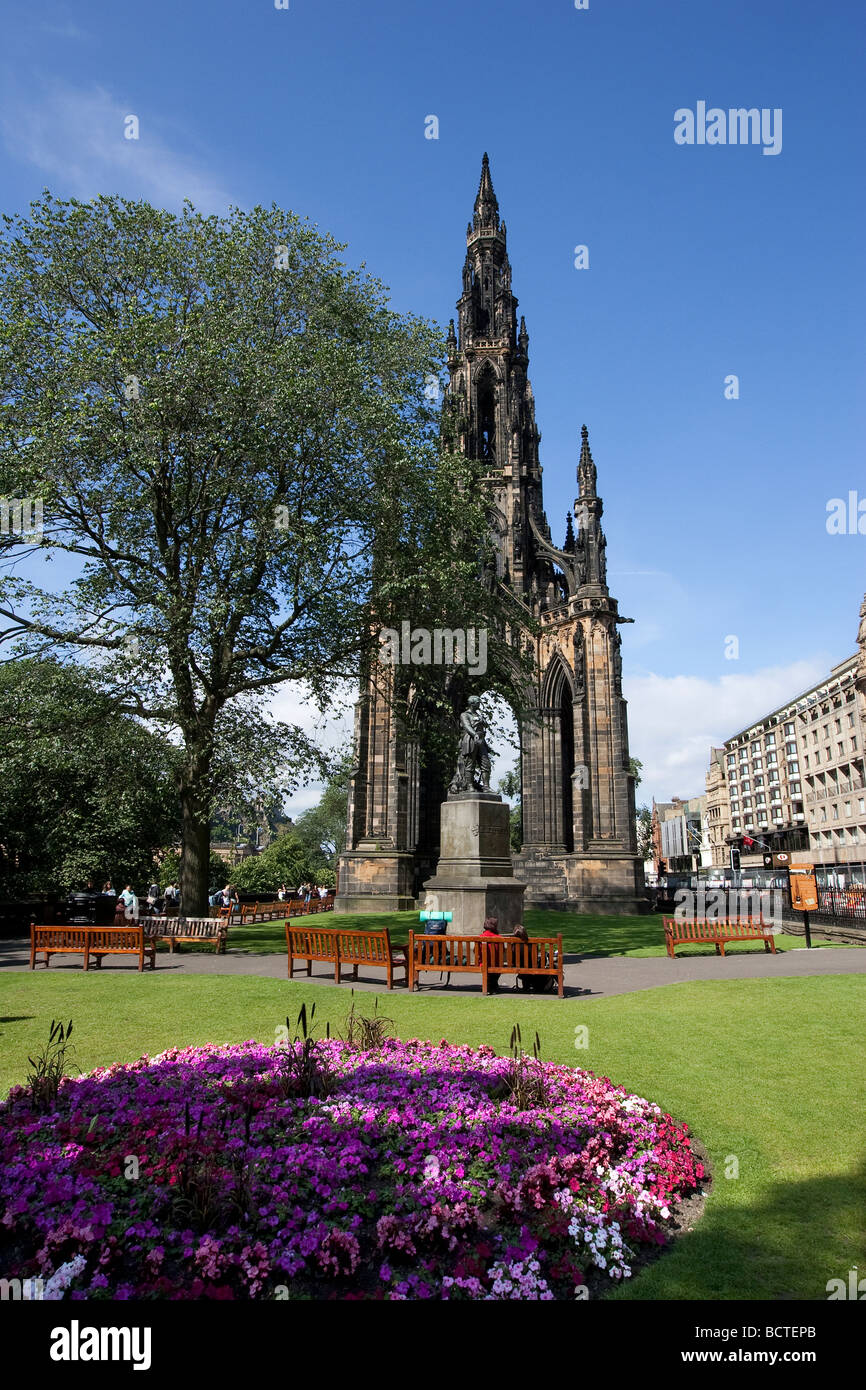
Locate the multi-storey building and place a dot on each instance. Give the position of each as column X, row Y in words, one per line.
column 795, row 780
column 679, row 834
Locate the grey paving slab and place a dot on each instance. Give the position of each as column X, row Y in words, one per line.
column 591, row 977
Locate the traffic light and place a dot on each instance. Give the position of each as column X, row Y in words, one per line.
column 735, row 860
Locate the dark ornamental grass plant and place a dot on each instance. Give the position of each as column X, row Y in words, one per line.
column 415, row 1171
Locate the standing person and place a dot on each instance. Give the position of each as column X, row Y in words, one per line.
column 323, row 892
column 281, row 893
column 153, row 895
column 107, row 890
column 130, row 903
column 491, row 931
column 306, row 891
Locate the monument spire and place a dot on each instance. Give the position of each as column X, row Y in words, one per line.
column 486, row 205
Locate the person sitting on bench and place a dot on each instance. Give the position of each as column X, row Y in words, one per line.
column 491, row 929
column 536, row 984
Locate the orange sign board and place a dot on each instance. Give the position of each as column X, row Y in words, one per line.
column 804, row 889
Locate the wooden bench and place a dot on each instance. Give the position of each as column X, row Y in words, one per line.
column 173, row 929
column 486, row 956
column 707, row 931
column 91, row 941
column 371, row 948
column 344, row 947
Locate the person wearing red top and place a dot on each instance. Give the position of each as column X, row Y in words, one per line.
column 491, row 930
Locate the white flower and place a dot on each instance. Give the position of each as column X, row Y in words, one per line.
column 63, row 1277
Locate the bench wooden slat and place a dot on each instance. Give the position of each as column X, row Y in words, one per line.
column 717, row 932
column 96, row 941
column 342, row 946
column 173, row 929
column 486, row 956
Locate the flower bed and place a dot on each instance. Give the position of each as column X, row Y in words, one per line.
column 327, row 1171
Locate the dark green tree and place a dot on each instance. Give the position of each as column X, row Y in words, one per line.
column 86, row 791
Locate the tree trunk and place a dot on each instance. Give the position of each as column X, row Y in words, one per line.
column 195, row 851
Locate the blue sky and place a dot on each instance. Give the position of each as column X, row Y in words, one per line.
column 704, row 261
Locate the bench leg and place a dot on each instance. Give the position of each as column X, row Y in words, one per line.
column 721, row 947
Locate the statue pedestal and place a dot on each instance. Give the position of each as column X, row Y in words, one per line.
column 474, row 878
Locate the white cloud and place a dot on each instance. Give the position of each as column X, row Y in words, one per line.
column 76, row 136
column 674, row 720
column 291, row 703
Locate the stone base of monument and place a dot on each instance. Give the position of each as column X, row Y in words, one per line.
column 474, row 878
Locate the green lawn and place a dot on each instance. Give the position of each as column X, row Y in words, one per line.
column 769, row 1072
column 584, row 935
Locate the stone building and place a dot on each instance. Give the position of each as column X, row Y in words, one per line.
column 579, row 839
column 718, row 811
column 795, row 780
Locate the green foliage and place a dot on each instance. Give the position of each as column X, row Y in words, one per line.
column 86, row 791
column 366, row 1031
column 635, row 767
column 644, row 819
column 49, row 1066
column 219, row 872
column 510, row 786
column 322, row 829
column 286, row 860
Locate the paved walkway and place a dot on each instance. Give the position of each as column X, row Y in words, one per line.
column 592, row 977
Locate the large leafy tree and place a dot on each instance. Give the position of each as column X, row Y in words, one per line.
column 229, row 432
column 85, row 792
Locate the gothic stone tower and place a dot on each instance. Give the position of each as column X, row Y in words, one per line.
column 579, row 839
